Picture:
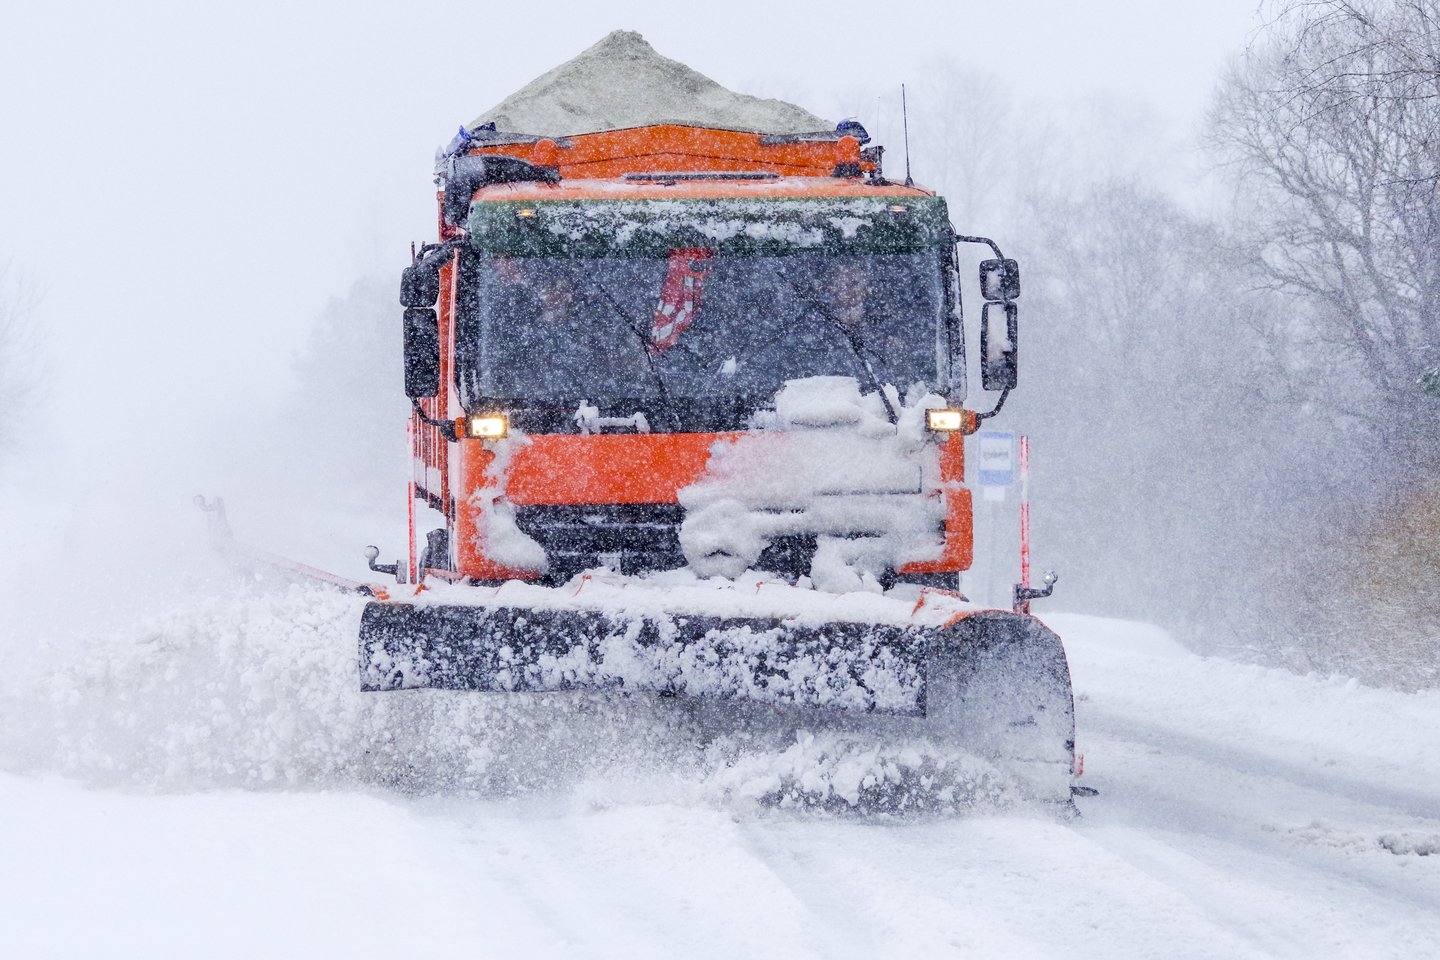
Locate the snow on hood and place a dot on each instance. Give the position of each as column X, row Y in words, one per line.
column 622, row 82
column 829, row 463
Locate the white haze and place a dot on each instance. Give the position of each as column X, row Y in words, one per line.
column 187, row 188
column 203, row 213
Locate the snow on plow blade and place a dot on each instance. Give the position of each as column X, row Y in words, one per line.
column 996, row 683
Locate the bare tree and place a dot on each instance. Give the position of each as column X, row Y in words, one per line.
column 1386, row 49
column 1333, row 124
column 1334, row 130
column 17, row 349
column 352, row 363
column 963, row 130
column 1142, row 372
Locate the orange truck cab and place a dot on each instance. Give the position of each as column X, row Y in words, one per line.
column 627, row 346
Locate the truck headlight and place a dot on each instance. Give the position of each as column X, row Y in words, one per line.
column 487, row 426
column 945, row 421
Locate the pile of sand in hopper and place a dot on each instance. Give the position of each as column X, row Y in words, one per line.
column 622, row 82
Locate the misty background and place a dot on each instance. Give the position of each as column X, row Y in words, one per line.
column 1223, row 214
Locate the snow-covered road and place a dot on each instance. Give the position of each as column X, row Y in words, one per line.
column 1243, row 812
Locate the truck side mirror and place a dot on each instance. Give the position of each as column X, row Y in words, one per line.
column 998, row 364
column 1000, row 280
column 422, row 353
column 419, row 285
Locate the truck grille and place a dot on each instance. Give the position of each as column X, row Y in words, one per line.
column 633, row 538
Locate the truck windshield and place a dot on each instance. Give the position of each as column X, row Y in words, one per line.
column 695, row 325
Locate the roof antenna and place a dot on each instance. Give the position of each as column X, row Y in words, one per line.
column 905, row 119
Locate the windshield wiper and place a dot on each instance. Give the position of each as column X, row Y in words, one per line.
column 639, row 331
column 857, row 346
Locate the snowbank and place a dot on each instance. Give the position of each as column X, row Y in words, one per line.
column 1327, row 722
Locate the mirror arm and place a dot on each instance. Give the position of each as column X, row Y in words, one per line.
column 985, row 240
column 438, row 253
column 428, row 248
column 447, row 427
column 981, row 417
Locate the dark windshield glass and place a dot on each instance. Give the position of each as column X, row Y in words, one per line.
column 694, row 324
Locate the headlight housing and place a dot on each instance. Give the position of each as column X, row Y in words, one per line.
column 487, row 426
column 945, row 421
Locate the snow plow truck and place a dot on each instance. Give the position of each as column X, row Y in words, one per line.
column 688, row 413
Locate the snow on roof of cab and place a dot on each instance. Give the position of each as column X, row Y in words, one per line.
column 622, row 82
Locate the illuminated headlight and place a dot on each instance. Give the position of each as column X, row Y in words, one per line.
column 488, row 426
column 945, row 421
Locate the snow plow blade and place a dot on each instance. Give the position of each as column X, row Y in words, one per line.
column 996, row 683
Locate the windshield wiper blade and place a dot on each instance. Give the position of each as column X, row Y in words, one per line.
column 857, row 346
column 636, row 328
